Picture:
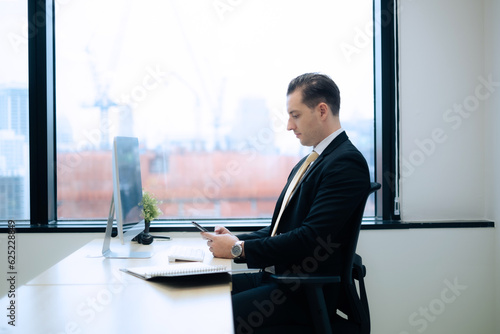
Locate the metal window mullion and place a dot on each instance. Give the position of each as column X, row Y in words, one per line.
column 41, row 112
column 387, row 111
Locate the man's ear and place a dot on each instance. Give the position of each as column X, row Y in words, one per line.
column 323, row 109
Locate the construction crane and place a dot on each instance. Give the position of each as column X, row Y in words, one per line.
column 102, row 82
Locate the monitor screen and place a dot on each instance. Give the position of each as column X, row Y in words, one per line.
column 127, row 196
column 127, row 187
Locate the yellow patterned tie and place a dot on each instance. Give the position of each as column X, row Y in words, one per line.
column 291, row 187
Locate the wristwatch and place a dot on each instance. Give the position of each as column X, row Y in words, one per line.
column 237, row 249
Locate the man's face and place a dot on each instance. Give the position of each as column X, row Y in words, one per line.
column 304, row 121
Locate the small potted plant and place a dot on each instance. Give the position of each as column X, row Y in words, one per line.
column 150, row 211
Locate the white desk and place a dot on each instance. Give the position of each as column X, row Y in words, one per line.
column 86, row 293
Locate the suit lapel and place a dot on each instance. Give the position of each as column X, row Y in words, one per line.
column 342, row 137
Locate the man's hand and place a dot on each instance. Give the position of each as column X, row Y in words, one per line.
column 220, row 244
column 221, row 230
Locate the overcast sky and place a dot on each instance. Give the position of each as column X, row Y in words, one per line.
column 179, row 64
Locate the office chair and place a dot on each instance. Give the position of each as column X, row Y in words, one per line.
column 357, row 305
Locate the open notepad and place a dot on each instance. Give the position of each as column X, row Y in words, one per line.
column 176, row 270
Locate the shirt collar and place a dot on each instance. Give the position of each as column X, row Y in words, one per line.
column 325, row 142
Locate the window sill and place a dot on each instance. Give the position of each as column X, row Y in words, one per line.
column 375, row 224
column 236, row 225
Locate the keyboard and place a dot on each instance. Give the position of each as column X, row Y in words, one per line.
column 184, row 253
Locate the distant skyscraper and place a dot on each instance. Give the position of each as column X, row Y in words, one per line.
column 14, row 110
column 14, row 167
column 125, row 121
column 65, row 141
column 252, row 130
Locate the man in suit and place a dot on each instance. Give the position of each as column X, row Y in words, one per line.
column 310, row 222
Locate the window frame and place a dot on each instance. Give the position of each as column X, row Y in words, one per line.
column 386, row 69
column 42, row 111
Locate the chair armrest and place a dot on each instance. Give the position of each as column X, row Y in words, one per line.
column 313, row 286
column 305, row 279
column 358, row 269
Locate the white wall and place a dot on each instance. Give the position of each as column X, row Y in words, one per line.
column 446, row 45
column 442, row 151
column 409, row 273
column 450, row 158
column 492, row 121
column 36, row 252
column 408, row 270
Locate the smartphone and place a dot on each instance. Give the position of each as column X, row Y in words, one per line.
column 201, row 228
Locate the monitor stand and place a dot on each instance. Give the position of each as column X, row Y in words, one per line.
column 122, row 254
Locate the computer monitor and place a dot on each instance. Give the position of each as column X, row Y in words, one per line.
column 126, row 199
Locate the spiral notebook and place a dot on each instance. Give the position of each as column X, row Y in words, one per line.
column 176, row 270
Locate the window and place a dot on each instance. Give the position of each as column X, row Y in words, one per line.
column 202, row 84
column 203, row 88
column 14, row 130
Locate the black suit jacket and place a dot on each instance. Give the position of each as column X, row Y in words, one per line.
column 312, row 230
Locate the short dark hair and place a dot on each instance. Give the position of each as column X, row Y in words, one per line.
column 317, row 88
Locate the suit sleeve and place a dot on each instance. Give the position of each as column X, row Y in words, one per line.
column 262, row 233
